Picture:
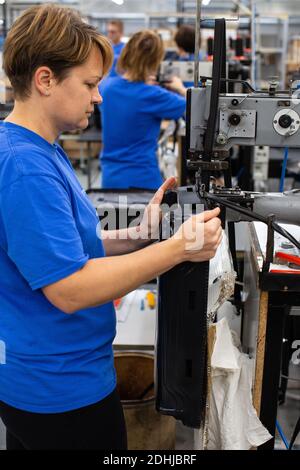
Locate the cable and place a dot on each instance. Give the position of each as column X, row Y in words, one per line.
column 283, row 171
column 253, row 215
column 282, row 435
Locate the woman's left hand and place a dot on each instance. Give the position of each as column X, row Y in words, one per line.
column 149, row 226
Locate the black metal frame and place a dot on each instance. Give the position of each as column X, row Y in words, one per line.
column 181, row 369
column 279, row 305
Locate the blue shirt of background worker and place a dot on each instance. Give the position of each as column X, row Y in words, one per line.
column 114, row 31
column 117, row 48
column 132, row 110
column 54, row 362
column 131, row 115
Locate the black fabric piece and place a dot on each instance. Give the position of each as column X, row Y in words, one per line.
column 181, row 367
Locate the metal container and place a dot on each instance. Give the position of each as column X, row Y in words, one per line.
column 146, row 428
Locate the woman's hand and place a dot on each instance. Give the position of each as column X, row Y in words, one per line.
column 149, row 226
column 198, row 238
column 175, row 84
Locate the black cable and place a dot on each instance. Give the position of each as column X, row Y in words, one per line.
column 254, row 215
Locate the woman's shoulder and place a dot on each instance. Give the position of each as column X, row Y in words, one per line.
column 160, row 94
column 155, row 90
column 24, row 153
column 110, row 82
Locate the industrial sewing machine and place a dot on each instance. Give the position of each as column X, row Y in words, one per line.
column 182, row 69
column 215, row 121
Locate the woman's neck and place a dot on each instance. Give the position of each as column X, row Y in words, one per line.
column 127, row 76
column 25, row 114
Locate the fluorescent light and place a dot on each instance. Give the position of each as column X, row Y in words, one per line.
column 118, row 2
column 205, row 2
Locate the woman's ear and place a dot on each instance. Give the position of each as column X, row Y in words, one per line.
column 43, row 80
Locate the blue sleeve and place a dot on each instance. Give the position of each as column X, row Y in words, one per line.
column 41, row 235
column 164, row 104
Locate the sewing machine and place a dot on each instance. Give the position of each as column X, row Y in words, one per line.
column 215, row 121
column 182, row 69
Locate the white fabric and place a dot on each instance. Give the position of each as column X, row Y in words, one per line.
column 233, row 423
column 221, row 277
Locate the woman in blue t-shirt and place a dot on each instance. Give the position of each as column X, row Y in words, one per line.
column 59, row 273
column 132, row 110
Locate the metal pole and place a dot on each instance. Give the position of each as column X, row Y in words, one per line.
column 253, row 45
column 197, row 45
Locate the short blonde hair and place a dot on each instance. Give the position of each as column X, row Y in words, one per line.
column 53, row 36
column 141, row 55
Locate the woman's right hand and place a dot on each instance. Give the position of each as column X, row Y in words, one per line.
column 175, row 84
column 198, row 238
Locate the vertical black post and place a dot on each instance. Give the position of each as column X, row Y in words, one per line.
column 272, row 364
column 218, row 72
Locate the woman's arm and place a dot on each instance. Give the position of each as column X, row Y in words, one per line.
column 176, row 84
column 122, row 241
column 105, row 279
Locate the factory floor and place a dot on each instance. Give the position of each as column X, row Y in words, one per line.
column 288, row 413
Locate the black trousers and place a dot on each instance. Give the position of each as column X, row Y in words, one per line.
column 100, row 426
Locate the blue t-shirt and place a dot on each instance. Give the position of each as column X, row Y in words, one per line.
column 131, row 116
column 117, row 48
column 55, row 361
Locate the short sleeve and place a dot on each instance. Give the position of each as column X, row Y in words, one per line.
column 41, row 234
column 166, row 104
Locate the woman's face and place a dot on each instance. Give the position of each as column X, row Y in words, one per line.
column 73, row 99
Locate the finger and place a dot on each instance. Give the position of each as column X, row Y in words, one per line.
column 170, row 183
column 207, row 215
column 213, row 224
column 216, row 235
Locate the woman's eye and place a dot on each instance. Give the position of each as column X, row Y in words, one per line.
column 91, row 85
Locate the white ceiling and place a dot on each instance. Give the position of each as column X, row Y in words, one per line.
column 267, row 7
column 146, row 6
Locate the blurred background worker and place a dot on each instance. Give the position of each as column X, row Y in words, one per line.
column 132, row 110
column 115, row 30
column 185, row 41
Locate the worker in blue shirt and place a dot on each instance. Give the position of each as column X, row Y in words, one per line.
column 185, row 41
column 59, row 272
column 132, row 110
column 115, row 30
